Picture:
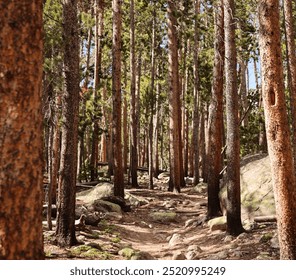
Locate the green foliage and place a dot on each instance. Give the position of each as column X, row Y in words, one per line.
column 249, row 135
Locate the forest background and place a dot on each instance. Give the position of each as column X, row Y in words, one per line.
column 163, row 85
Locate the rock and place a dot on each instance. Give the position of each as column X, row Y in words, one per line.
column 164, row 175
column 127, row 252
column 101, row 190
column 135, row 200
column 114, row 216
column 242, row 236
column 219, row 256
column 188, row 180
column 94, row 245
column 191, row 255
column 191, row 222
column 256, row 187
column 199, row 188
column 105, row 206
column 237, row 254
column 274, row 242
column 218, row 223
column 228, row 238
column 163, row 217
column 194, row 248
column 142, row 256
column 266, row 237
column 118, row 200
column 169, row 204
column 178, row 256
column 264, row 256
column 176, row 239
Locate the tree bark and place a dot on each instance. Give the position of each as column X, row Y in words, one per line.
column 216, row 116
column 116, row 97
column 134, row 115
column 65, row 230
column 21, row 148
column 174, row 101
column 196, row 98
column 277, row 128
column 291, row 64
column 234, row 225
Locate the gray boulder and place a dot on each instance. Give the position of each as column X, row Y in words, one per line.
column 256, row 187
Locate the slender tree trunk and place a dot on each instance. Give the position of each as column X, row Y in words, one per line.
column 125, row 135
column 116, row 95
column 99, row 28
column 174, row 101
column 56, row 150
column 65, row 230
column 196, row 99
column 216, row 116
column 152, row 105
column 234, row 225
column 104, row 143
column 277, row 127
column 156, row 133
column 290, row 34
column 134, row 115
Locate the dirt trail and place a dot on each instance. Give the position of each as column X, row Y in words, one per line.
column 170, row 226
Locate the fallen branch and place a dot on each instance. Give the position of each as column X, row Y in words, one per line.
column 265, row 219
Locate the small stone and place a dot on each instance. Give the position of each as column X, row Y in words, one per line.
column 192, row 255
column 175, row 239
column 274, row 242
column 242, row 236
column 194, row 248
column 228, row 238
column 218, row 223
column 142, row 256
column 219, row 256
column 178, row 256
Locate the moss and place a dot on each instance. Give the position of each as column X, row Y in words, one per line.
column 80, row 249
column 266, row 237
column 93, row 253
column 115, row 240
column 127, row 252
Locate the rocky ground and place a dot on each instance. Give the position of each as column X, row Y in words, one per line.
column 161, row 225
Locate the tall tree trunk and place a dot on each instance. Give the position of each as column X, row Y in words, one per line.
column 134, row 115
column 290, row 34
column 125, row 136
column 104, row 143
column 174, row 101
column 277, row 127
column 65, row 230
column 99, row 28
column 196, row 99
column 56, row 149
column 234, row 225
column 21, row 160
column 116, row 96
column 216, row 116
column 151, row 103
column 156, row 132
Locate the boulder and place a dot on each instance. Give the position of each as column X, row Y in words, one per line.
column 218, row 223
column 101, row 190
column 256, row 187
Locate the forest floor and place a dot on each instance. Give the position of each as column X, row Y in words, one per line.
column 169, row 226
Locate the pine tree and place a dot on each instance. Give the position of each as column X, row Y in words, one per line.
column 21, row 160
